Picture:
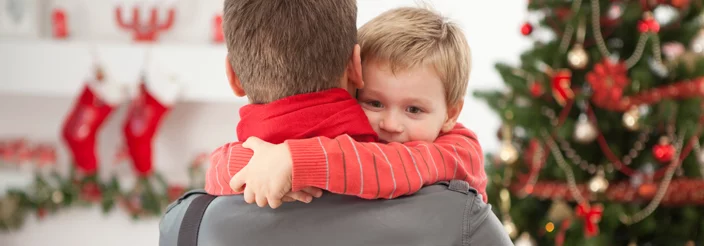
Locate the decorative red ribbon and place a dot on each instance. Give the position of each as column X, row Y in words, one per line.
column 591, row 216
column 679, row 90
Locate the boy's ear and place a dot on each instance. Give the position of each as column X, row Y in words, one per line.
column 453, row 111
column 354, row 70
column 234, row 81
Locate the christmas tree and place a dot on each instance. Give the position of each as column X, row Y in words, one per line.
column 602, row 126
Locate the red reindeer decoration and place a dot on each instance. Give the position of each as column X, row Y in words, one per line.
column 145, row 32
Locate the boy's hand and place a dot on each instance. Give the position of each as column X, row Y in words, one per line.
column 268, row 176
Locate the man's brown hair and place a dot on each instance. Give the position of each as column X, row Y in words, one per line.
column 281, row 48
column 408, row 36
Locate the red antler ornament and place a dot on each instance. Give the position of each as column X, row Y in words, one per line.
column 145, row 32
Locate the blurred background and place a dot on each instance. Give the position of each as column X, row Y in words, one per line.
column 590, row 113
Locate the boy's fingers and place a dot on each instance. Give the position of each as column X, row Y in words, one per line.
column 261, row 201
column 288, row 199
column 248, row 196
column 300, row 196
column 313, row 191
column 252, row 142
column 274, row 203
column 237, row 182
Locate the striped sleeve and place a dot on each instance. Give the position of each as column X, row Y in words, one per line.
column 373, row 170
column 225, row 162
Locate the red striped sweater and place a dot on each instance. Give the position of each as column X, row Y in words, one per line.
column 367, row 170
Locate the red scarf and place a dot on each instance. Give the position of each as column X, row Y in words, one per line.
column 329, row 113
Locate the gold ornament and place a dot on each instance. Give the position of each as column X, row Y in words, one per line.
column 510, row 228
column 598, row 184
column 559, row 211
column 57, row 197
column 577, row 57
column 505, row 200
column 630, row 119
column 549, row 227
column 525, row 240
column 697, row 44
column 584, row 132
column 508, row 154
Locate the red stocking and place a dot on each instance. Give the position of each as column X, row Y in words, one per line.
column 81, row 126
column 143, row 118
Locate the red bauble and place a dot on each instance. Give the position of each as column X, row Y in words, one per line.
column 536, row 89
column 664, row 152
column 41, row 213
column 526, row 29
column 90, row 191
column 648, row 24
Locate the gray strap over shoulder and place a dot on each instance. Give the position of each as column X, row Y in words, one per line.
column 190, row 226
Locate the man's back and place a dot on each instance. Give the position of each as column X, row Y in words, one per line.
column 435, row 215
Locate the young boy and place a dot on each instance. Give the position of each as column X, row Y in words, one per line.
column 416, row 68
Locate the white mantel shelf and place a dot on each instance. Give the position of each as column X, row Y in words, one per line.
column 57, row 68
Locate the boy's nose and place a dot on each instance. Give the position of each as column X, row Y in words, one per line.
column 390, row 125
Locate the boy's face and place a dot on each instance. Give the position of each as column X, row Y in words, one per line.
column 404, row 106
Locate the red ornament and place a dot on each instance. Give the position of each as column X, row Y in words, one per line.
column 90, row 191
column 648, row 24
column 41, row 213
column 664, row 151
column 561, row 86
column 526, row 29
column 591, row 216
column 59, row 23
column 218, row 36
column 608, row 80
column 145, row 31
column 536, row 89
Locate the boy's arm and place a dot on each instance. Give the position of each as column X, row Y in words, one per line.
column 225, row 162
column 373, row 170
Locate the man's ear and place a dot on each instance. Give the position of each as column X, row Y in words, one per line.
column 234, row 81
column 453, row 111
column 354, row 69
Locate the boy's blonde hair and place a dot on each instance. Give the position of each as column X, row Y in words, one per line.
column 281, row 48
column 407, row 37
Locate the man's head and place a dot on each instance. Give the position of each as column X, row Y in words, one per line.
column 416, row 68
column 280, row 48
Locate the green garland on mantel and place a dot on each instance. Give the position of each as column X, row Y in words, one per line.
column 52, row 192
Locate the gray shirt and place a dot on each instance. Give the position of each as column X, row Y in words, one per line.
column 449, row 213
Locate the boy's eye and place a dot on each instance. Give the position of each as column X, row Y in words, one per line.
column 375, row 104
column 414, row 110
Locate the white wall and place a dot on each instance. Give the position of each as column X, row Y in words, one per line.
column 197, row 124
